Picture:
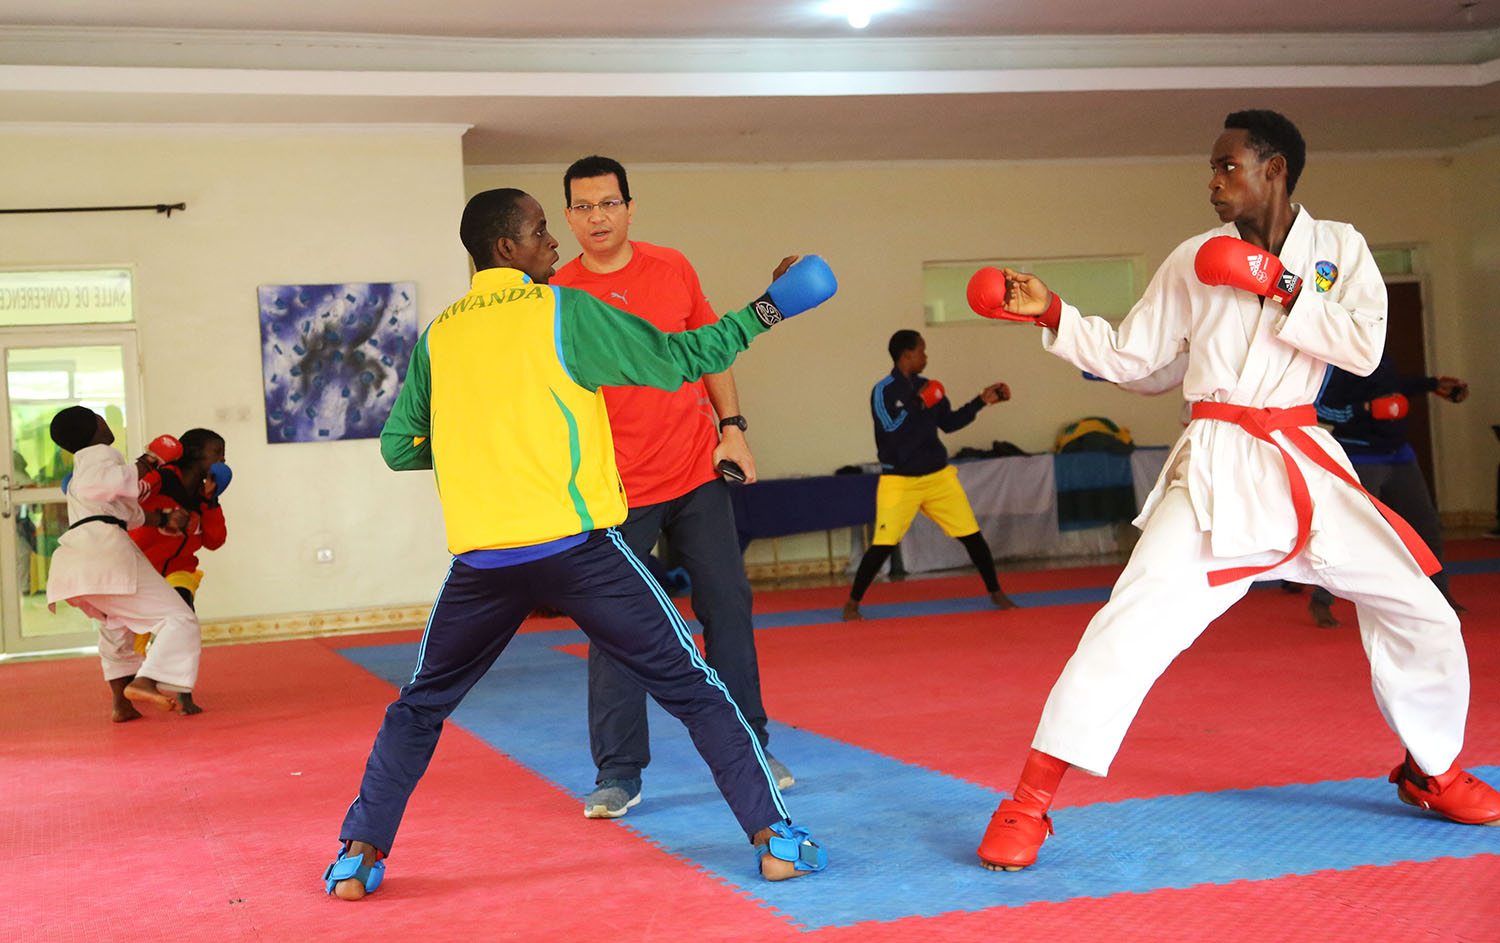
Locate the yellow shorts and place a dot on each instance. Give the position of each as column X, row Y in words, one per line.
column 185, row 580
column 898, row 498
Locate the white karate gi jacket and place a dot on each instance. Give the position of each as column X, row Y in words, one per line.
column 98, row 558
column 1250, row 351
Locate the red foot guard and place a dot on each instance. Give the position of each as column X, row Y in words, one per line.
column 1013, row 837
column 1457, row 794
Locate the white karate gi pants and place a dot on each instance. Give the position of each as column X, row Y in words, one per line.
column 172, row 659
column 1163, row 602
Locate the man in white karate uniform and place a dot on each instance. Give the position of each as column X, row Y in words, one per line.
column 1253, row 488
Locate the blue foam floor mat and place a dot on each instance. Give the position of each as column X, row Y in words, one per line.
column 901, row 838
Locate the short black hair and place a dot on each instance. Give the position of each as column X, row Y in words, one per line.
column 594, row 166
column 1272, row 133
column 195, row 442
column 73, row 428
column 488, row 216
column 901, row 342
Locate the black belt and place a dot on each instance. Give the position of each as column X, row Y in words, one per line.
column 99, row 517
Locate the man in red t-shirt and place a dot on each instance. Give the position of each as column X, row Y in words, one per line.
column 668, row 446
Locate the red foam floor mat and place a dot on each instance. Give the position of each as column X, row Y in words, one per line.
column 218, row 826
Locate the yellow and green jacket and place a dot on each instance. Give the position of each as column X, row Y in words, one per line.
column 502, row 401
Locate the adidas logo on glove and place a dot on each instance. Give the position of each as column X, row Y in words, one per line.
column 1258, row 267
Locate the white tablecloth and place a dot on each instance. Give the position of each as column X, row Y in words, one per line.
column 1015, row 502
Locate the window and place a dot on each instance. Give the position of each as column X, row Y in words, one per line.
column 1393, row 261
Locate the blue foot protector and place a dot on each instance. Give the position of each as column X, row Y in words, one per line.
column 344, row 867
column 793, row 843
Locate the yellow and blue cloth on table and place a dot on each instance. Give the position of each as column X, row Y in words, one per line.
column 1094, row 483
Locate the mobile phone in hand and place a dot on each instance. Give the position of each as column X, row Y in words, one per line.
column 731, row 472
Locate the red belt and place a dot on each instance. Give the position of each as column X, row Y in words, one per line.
column 1260, row 423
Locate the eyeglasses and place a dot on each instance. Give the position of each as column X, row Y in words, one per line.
column 608, row 206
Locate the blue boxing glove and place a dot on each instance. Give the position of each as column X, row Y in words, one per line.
column 221, row 476
column 805, row 285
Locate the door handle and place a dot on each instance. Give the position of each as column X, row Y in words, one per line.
column 5, row 487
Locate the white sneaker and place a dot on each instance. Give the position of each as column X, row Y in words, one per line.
column 611, row 798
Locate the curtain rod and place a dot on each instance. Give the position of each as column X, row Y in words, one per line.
column 166, row 208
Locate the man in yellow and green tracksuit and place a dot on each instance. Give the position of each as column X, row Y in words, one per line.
column 501, row 400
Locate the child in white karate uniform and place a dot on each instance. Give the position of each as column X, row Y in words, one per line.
column 99, row 570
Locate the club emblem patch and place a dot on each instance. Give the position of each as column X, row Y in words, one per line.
column 1326, row 273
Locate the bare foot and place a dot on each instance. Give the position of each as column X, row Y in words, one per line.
column 185, row 702
column 1001, row 600
column 773, row 868
column 1322, row 615
column 122, row 710
column 146, row 691
column 350, row 888
column 851, row 612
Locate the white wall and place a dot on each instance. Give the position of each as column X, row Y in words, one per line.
column 320, row 204
column 1469, row 330
column 805, row 386
column 272, row 206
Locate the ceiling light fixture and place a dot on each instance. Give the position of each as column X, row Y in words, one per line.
column 857, row 12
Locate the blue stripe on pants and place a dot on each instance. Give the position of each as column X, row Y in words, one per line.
column 684, row 638
column 599, row 585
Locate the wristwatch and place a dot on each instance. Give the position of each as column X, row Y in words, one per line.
column 733, row 421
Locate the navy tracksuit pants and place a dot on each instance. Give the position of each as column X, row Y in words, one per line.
column 603, row 587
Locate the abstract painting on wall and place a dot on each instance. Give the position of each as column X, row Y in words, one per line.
column 333, row 357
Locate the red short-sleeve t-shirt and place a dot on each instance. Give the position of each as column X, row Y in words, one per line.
column 664, row 441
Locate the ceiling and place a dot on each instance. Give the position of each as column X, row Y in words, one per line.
column 683, row 81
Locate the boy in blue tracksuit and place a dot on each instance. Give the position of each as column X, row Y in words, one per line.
column 908, row 410
column 1368, row 415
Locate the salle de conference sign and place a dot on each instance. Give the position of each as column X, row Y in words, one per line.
column 66, row 296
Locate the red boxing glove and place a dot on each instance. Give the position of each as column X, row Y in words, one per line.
column 986, row 295
column 148, row 484
column 1225, row 260
column 1388, row 407
column 165, row 448
column 932, row 394
column 1452, row 389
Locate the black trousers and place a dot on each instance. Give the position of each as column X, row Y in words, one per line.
column 603, row 587
column 700, row 527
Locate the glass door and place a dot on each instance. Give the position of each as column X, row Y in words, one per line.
column 41, row 373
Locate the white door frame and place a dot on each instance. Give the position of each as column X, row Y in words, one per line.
column 12, row 642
